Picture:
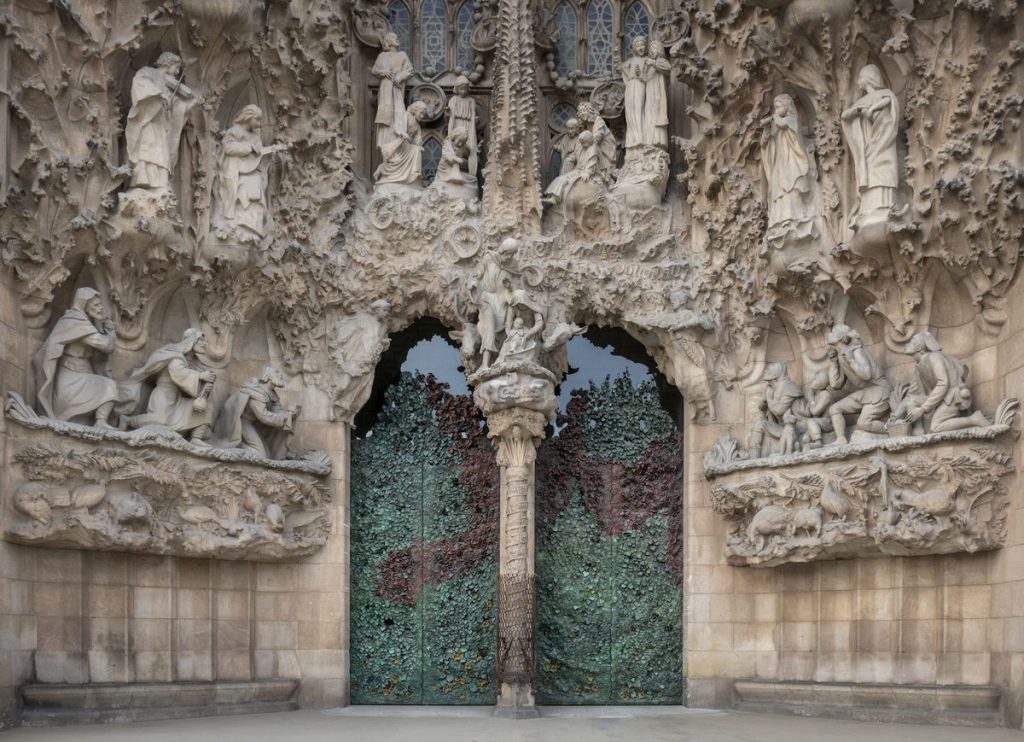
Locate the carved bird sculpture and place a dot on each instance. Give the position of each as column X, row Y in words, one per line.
column 835, row 503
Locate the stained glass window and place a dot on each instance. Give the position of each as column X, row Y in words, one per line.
column 464, row 32
column 562, row 112
column 431, row 158
column 433, row 37
column 565, row 23
column 599, row 37
column 401, row 24
column 635, row 23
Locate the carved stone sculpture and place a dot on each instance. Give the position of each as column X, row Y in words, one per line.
column 776, row 431
column 355, row 343
column 181, row 388
column 241, row 211
column 522, row 341
column 939, row 398
column 111, row 498
column 604, row 141
column 568, row 147
column 462, row 115
column 645, row 101
column 160, row 103
column 851, row 364
column 451, row 177
column 871, row 127
column 68, row 387
column 402, row 154
column 935, row 501
column 253, row 419
column 494, row 292
column 791, row 176
column 394, row 69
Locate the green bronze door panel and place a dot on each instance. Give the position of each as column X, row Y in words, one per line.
column 423, row 551
column 608, row 547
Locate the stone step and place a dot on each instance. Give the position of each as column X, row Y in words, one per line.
column 53, row 704
column 955, row 705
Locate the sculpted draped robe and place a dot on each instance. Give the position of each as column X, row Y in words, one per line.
column 871, row 136
column 403, row 158
column 155, row 121
column 789, row 172
column 393, row 68
column 636, row 73
column 462, row 113
column 252, row 418
column 177, row 386
column 656, row 104
column 242, row 184
column 68, row 386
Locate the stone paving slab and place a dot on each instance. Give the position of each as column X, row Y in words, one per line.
column 586, row 725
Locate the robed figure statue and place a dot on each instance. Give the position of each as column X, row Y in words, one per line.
column 394, row 69
column 67, row 383
column 871, row 127
column 160, row 103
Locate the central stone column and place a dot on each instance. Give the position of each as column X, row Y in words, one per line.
column 518, row 401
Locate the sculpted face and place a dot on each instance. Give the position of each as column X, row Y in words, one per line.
column 639, row 46
column 95, row 309
column 201, row 346
column 572, row 126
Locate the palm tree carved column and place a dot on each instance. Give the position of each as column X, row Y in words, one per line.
column 518, row 405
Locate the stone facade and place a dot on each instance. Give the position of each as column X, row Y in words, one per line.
column 216, row 215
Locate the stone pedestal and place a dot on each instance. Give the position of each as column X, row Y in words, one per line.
column 518, row 403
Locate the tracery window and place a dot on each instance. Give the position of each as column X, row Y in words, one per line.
column 433, row 30
column 463, row 34
column 587, row 34
column 401, row 23
column 635, row 22
column 565, row 23
column 436, row 34
column 599, row 37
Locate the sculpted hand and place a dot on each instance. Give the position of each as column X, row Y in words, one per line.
column 915, row 413
column 208, row 377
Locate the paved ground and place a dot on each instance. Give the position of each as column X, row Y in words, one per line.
column 354, row 725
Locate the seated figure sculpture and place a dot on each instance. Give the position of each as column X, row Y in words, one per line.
column 68, row 385
column 179, row 399
column 402, row 156
column 850, row 363
column 254, row 420
column 939, row 398
column 451, row 178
